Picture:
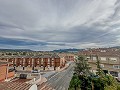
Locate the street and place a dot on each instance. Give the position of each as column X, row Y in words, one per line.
column 59, row 81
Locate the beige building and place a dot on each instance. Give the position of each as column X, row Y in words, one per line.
column 109, row 60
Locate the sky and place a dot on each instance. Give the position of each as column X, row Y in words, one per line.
column 59, row 24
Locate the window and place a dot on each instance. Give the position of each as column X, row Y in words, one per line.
column 52, row 59
column 48, row 60
column 20, row 62
column 29, row 62
column 113, row 59
column 88, row 57
column 12, row 62
column 101, row 65
column 11, row 70
column 24, row 60
column 113, row 73
column 103, row 58
column 94, row 58
column 52, row 63
column 42, row 61
column 37, row 62
column 116, row 66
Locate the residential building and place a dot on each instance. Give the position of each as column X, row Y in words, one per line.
column 43, row 61
column 5, row 71
column 109, row 59
column 70, row 57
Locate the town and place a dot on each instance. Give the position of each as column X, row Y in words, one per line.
column 38, row 70
column 59, row 44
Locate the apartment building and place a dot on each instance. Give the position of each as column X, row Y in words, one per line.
column 109, row 59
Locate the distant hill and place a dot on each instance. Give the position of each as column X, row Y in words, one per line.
column 68, row 50
column 16, row 50
column 116, row 47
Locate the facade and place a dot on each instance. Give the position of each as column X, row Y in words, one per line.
column 109, row 60
column 62, row 59
column 70, row 57
column 44, row 61
column 5, row 71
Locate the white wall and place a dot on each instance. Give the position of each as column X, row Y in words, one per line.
column 33, row 87
column 103, row 58
column 94, row 58
column 113, row 59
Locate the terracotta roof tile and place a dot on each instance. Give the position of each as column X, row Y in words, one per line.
column 14, row 86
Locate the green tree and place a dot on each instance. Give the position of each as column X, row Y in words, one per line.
column 82, row 67
column 99, row 69
column 75, row 83
column 82, row 70
column 84, row 80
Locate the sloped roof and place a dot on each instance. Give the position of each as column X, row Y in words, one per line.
column 29, row 56
column 14, row 86
column 54, row 56
column 107, row 53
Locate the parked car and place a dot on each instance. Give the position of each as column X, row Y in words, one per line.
column 35, row 71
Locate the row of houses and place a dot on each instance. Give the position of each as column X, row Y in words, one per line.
column 9, row 63
column 109, row 59
column 50, row 60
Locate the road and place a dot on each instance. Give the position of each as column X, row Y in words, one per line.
column 59, row 81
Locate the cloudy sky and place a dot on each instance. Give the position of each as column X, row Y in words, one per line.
column 59, row 24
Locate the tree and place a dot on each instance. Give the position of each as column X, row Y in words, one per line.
column 84, row 80
column 82, row 67
column 82, row 70
column 99, row 69
column 104, row 81
column 75, row 83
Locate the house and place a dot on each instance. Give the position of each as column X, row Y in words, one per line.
column 5, row 71
column 45, row 62
column 70, row 57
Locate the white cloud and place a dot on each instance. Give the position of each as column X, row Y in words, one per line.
column 70, row 22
